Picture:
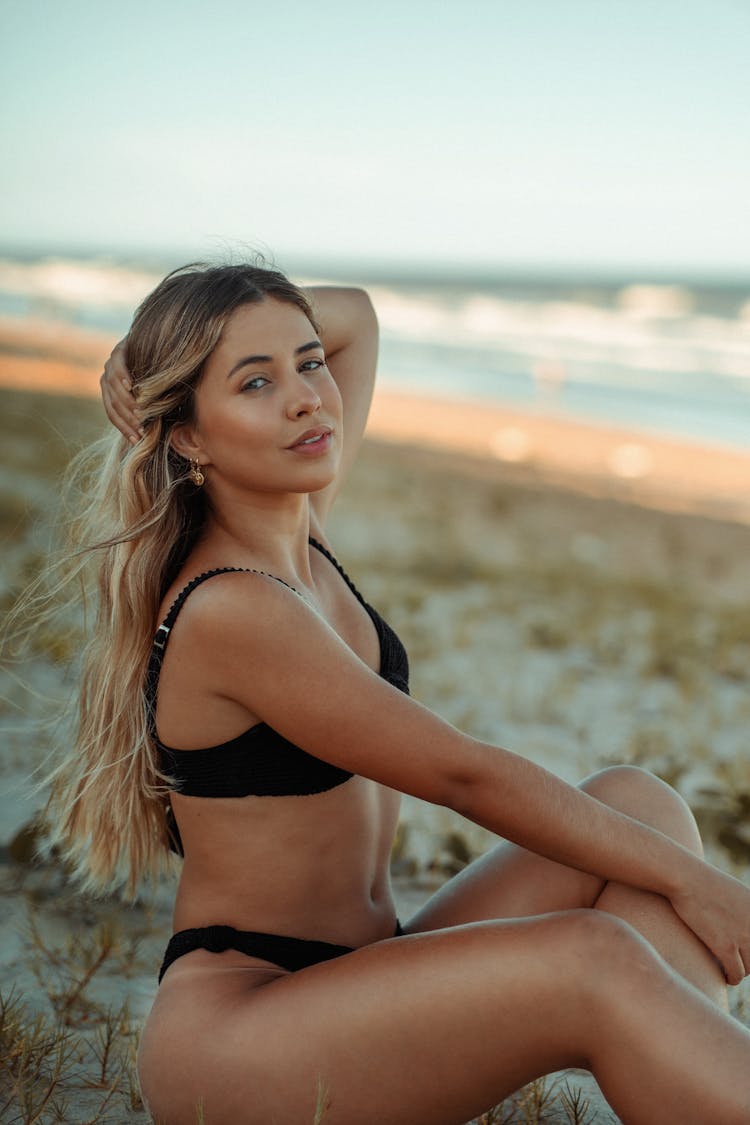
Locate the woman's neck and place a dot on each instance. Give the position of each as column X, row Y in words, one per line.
column 269, row 532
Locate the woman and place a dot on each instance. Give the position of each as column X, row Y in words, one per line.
column 277, row 712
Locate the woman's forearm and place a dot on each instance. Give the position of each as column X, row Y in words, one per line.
column 537, row 810
column 344, row 314
column 540, row 812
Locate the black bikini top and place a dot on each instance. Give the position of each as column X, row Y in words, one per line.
column 259, row 761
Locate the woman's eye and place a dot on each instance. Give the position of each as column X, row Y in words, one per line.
column 255, row 384
column 313, row 365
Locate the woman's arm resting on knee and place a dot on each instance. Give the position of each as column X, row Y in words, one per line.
column 331, row 703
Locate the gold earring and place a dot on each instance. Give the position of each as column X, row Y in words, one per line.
column 196, row 475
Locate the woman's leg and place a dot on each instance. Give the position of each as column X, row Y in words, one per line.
column 509, row 882
column 432, row 1029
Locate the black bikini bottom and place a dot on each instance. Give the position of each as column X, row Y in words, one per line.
column 286, row 952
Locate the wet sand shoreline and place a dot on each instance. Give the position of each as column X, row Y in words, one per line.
column 538, row 444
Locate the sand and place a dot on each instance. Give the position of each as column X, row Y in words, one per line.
column 599, row 459
column 577, row 593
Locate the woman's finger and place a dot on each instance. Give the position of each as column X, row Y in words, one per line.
column 117, row 394
column 734, row 968
column 116, row 379
column 124, row 403
column 116, row 389
column 120, row 413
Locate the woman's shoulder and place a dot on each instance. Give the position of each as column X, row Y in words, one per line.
column 224, row 596
column 198, row 569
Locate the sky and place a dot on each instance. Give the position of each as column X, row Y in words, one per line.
column 576, row 133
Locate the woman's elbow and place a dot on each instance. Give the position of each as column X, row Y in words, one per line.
column 460, row 785
column 364, row 309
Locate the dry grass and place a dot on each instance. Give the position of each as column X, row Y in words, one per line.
column 36, row 1056
column 68, row 1034
column 51, row 1072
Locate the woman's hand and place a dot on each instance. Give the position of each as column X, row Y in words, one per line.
column 716, row 907
column 117, row 395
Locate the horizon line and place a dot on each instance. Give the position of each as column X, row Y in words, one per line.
column 379, row 266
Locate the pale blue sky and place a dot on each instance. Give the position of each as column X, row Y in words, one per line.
column 560, row 132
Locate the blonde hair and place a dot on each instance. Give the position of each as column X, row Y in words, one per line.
column 142, row 513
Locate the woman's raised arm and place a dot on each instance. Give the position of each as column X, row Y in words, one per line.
column 349, row 334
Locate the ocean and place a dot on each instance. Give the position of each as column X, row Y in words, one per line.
column 669, row 355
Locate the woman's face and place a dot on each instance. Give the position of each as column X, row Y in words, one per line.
column 267, row 411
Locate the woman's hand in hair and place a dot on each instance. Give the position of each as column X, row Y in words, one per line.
column 117, row 395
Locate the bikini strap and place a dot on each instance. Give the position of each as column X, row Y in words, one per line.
column 332, row 559
column 162, row 635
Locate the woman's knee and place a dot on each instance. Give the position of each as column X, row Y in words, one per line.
column 594, row 946
column 644, row 796
column 610, row 961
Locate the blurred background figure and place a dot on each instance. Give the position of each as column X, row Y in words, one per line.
column 549, row 376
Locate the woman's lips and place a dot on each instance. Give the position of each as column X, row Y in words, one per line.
column 313, row 442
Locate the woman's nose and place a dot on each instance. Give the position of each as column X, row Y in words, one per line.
column 302, row 399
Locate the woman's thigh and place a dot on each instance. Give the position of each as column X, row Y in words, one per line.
column 430, row 1028
column 506, row 882
column 510, row 882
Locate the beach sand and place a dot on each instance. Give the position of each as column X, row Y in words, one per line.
column 548, row 447
column 577, row 593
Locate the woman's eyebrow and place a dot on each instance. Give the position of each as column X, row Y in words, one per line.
column 311, row 345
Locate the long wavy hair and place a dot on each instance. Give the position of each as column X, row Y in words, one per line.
column 140, row 515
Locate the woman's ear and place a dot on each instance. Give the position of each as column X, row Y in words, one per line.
column 184, row 441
